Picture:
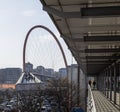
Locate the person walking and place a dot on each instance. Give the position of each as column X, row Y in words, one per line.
column 94, row 84
column 90, row 82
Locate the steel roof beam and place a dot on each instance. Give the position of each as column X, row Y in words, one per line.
column 103, row 57
column 97, row 38
column 95, row 28
column 106, row 62
column 62, row 14
column 85, row 12
column 102, row 38
column 97, row 62
column 100, row 11
column 110, row 50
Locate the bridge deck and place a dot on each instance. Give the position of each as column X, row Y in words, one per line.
column 103, row 104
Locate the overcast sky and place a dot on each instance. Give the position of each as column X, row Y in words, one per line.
column 16, row 18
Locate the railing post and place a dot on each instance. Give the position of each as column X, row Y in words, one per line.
column 108, row 82
column 78, row 87
column 115, row 81
column 111, row 81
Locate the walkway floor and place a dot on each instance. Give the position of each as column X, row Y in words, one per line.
column 103, row 104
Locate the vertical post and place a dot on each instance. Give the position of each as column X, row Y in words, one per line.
column 102, row 77
column 104, row 82
column 78, row 87
column 117, row 85
column 111, row 71
column 119, row 82
column 108, row 82
column 115, row 81
column 71, row 85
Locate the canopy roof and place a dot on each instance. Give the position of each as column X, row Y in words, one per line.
column 90, row 28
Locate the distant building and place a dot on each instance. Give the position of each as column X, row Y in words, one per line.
column 40, row 70
column 28, row 67
column 49, row 72
column 63, row 72
column 10, row 75
column 43, row 73
column 73, row 74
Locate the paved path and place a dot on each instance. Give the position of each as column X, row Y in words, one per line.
column 103, row 104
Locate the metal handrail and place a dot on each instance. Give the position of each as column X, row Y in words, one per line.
column 91, row 103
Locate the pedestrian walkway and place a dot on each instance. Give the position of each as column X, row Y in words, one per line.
column 103, row 104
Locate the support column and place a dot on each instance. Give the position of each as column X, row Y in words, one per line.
column 115, row 81
column 82, row 90
column 119, row 82
column 78, row 87
column 71, row 88
column 104, row 79
column 100, row 82
column 111, row 71
column 108, row 82
column 98, row 85
column 104, row 83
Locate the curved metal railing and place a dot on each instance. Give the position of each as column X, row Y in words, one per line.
column 91, row 103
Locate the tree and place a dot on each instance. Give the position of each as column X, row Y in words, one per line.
column 59, row 89
column 30, row 100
